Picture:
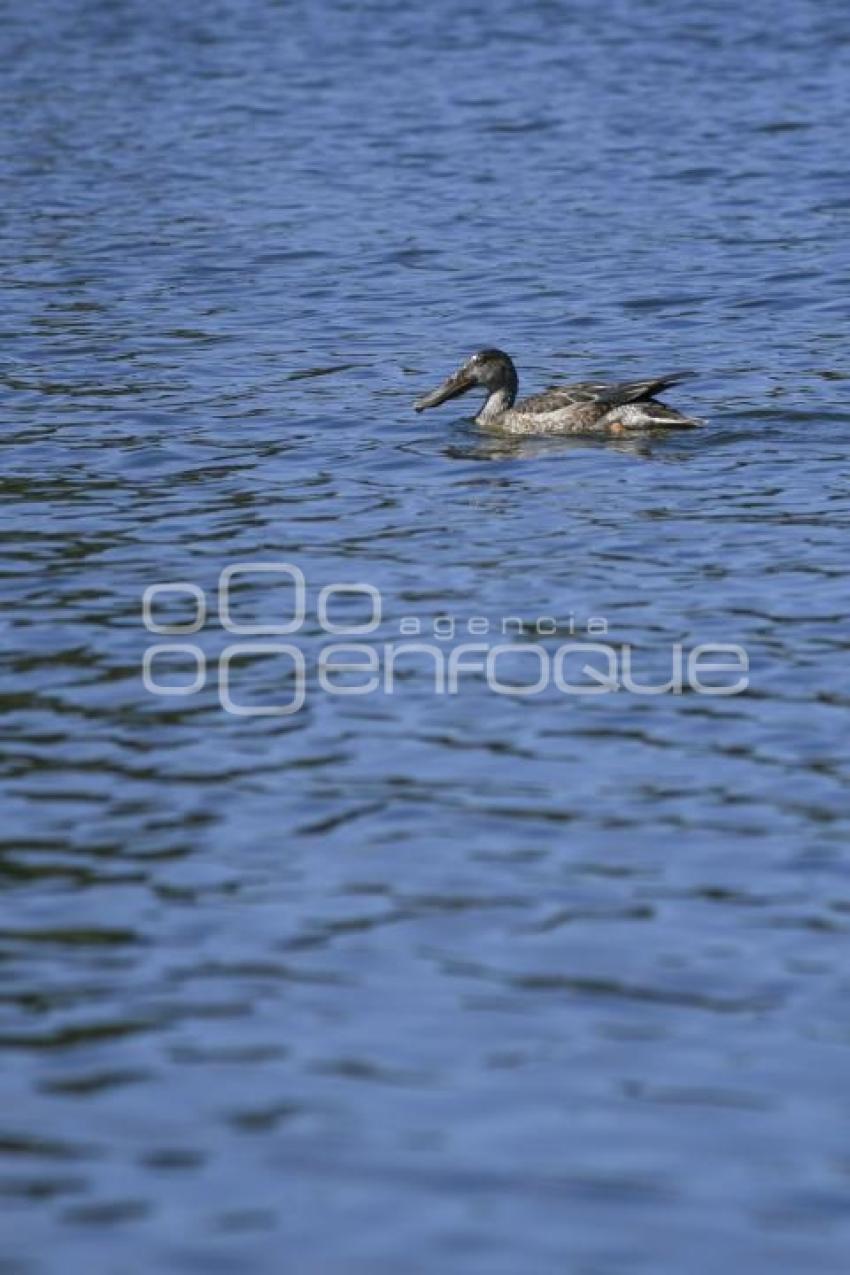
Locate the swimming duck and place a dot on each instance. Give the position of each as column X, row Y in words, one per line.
column 588, row 407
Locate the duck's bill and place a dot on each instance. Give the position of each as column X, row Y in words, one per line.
column 456, row 384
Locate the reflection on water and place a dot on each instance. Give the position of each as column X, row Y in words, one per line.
column 415, row 981
column 528, row 447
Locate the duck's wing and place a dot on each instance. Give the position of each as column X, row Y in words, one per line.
column 604, row 393
column 639, row 391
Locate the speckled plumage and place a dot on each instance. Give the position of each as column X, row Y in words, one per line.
column 587, row 407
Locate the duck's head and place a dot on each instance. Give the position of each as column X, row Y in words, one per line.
column 491, row 369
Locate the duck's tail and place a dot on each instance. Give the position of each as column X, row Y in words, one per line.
column 658, row 415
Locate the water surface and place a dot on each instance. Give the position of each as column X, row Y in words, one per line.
column 424, row 982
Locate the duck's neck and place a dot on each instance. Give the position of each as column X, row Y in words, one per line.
column 499, row 401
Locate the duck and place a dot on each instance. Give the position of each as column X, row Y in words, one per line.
column 585, row 407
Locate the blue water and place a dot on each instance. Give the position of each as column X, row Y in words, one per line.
column 423, row 982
